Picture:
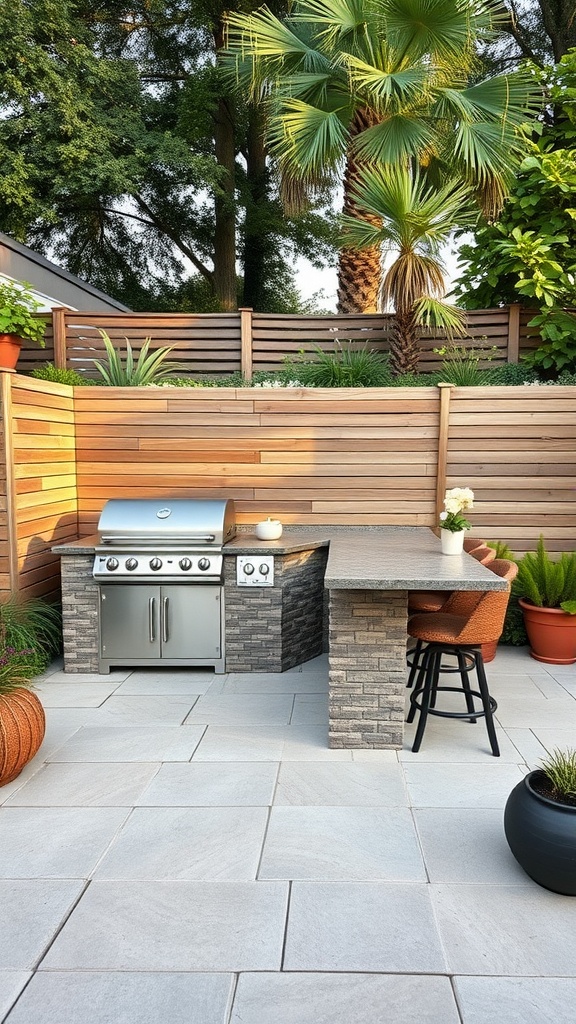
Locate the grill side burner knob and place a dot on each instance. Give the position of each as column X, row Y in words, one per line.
column 131, row 564
column 185, row 564
column 155, row 564
column 112, row 563
column 203, row 563
column 264, row 569
column 248, row 568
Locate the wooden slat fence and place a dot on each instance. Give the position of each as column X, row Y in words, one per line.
column 40, row 485
column 355, row 457
column 214, row 344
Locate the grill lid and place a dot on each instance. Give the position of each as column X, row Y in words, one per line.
column 157, row 521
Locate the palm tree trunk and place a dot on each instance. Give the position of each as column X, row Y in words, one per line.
column 404, row 344
column 359, row 271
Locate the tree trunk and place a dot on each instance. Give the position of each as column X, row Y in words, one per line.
column 404, row 344
column 225, row 284
column 359, row 271
column 254, row 248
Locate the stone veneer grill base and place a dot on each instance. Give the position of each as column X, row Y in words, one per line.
column 272, row 629
column 79, row 613
column 367, row 668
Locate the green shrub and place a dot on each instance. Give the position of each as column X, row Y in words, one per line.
column 547, row 583
column 346, row 367
column 59, row 376
column 147, row 369
column 30, row 635
column 510, row 374
column 17, row 308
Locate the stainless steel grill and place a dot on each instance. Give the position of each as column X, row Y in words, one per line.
column 172, row 540
column 159, row 569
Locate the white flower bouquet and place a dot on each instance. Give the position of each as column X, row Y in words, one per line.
column 456, row 501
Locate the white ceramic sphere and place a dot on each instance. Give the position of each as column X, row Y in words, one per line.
column 269, row 529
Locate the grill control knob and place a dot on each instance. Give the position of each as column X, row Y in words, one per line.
column 155, row 564
column 264, row 569
column 185, row 564
column 111, row 563
column 203, row 563
column 131, row 564
column 248, row 569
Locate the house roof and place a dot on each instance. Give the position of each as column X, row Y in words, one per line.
column 53, row 284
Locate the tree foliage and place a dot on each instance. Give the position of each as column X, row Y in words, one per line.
column 125, row 157
column 529, row 255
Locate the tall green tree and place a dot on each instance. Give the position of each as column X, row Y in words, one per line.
column 353, row 84
column 125, row 156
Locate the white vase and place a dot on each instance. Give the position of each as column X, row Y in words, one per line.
column 452, row 543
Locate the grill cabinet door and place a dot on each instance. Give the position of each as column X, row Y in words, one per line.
column 130, row 621
column 191, row 621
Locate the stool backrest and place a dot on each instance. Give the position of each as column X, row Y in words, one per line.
column 470, row 543
column 486, row 621
column 483, row 554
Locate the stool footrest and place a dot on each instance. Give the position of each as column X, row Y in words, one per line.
column 481, row 713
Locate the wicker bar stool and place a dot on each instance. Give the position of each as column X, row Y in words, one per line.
column 456, row 601
column 461, row 635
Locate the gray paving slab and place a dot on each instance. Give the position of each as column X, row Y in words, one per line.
column 11, row 984
column 310, row 743
column 127, row 998
column 322, row 998
column 341, row 843
column 346, row 784
column 124, row 743
column 33, row 909
column 536, row 712
column 516, row 1000
column 188, row 843
column 174, row 926
column 242, row 709
column 463, row 785
column 74, row 695
column 55, row 842
column 85, row 785
column 508, row 930
column 462, row 844
column 309, row 712
column 270, row 682
column 241, row 743
column 144, row 709
column 206, row 784
column 362, row 926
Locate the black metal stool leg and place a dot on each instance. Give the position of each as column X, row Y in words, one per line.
column 415, row 652
column 466, row 683
column 422, row 665
column 488, row 703
column 433, row 658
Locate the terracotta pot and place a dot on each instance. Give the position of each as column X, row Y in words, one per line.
column 10, row 345
column 452, row 543
column 551, row 634
column 542, row 836
column 22, row 728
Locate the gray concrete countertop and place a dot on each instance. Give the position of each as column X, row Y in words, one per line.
column 402, row 558
column 375, row 558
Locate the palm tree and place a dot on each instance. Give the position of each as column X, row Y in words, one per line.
column 349, row 84
column 415, row 220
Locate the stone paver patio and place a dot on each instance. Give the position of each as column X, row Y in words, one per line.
column 185, row 849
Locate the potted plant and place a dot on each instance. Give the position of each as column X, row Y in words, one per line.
column 452, row 523
column 17, row 321
column 547, row 596
column 540, row 823
column 29, row 634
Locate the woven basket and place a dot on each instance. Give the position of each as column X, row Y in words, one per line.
column 22, row 728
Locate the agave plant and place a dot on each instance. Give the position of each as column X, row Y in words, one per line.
column 346, row 367
column 148, row 368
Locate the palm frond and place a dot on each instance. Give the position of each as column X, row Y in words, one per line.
column 387, row 89
column 395, row 140
column 433, row 313
column 306, row 138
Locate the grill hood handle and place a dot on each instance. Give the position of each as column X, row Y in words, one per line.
column 154, row 540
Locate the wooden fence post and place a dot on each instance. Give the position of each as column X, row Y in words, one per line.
column 246, row 356
column 59, row 336
column 11, row 524
column 443, row 435
column 513, row 333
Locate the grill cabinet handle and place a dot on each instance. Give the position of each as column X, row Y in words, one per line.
column 151, row 619
column 145, row 540
column 165, row 605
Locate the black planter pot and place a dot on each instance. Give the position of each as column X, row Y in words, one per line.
column 542, row 836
